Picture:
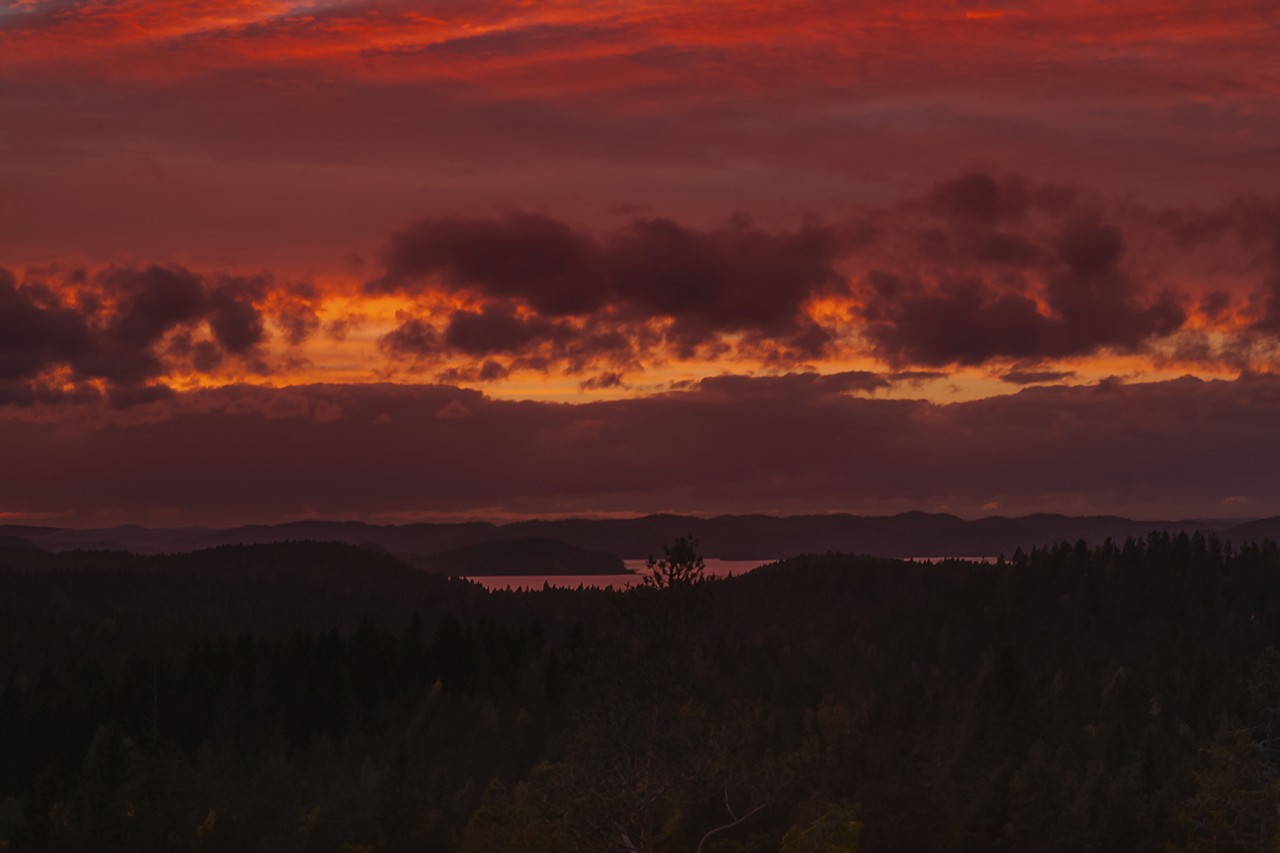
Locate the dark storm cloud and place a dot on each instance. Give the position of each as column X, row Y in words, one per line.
column 916, row 376
column 206, row 357
column 19, row 392
column 529, row 342
column 154, row 301
column 737, row 279
column 970, row 316
column 125, row 397
column 982, row 268
column 116, row 331
column 1023, row 376
column 1253, row 221
column 151, row 302
column 1213, row 305
column 498, row 329
column 486, row 371
column 562, row 297
column 602, row 381
column 233, row 319
column 1099, row 304
column 986, row 222
column 1269, row 322
column 295, row 314
column 535, row 258
column 792, row 385
column 954, row 322
column 34, row 335
column 800, row 443
column 413, row 338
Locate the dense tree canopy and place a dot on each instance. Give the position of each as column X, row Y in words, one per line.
column 319, row 697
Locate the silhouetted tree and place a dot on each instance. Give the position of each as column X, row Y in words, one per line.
column 680, row 566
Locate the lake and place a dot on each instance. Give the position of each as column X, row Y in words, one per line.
column 715, row 568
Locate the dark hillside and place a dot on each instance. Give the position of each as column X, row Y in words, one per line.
column 730, row 537
column 528, row 556
column 1258, row 530
column 325, row 697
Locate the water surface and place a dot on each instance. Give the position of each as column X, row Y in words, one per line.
column 715, row 569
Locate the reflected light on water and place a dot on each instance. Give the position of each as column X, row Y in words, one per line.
column 636, row 569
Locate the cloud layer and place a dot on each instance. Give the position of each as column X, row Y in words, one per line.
column 582, row 292
column 748, row 232
column 293, row 127
column 121, row 331
column 981, row 270
column 798, row 443
column 1026, row 281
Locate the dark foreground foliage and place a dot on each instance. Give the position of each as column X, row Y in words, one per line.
column 327, row 698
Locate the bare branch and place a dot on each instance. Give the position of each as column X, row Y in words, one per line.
column 726, row 827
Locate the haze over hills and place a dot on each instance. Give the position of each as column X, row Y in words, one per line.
column 730, row 537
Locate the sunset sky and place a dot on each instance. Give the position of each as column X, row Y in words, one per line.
column 500, row 258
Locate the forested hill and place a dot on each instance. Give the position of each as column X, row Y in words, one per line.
column 531, row 556
column 730, row 537
column 326, row 698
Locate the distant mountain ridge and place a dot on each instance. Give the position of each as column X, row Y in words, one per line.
column 729, row 537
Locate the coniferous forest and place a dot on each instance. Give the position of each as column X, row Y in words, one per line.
column 320, row 697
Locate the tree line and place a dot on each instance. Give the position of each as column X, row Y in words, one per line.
column 312, row 697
